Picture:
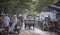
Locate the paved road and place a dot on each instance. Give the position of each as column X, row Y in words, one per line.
column 35, row 32
column 28, row 32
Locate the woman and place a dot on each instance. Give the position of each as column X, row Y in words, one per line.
column 13, row 25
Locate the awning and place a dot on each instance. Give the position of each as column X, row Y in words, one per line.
column 56, row 12
column 57, row 8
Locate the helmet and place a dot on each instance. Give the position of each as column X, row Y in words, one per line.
column 15, row 16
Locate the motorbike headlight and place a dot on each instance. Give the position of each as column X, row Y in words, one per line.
column 16, row 32
column 18, row 27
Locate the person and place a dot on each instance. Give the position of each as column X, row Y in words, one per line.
column 20, row 21
column 15, row 20
column 0, row 21
column 6, row 21
column 45, row 24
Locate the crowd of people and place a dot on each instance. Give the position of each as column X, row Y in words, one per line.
column 9, row 23
column 48, row 24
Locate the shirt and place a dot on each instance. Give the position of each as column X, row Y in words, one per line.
column 15, row 20
column 6, row 21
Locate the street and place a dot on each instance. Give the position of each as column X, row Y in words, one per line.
column 35, row 32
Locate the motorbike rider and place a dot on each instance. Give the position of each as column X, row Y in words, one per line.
column 15, row 20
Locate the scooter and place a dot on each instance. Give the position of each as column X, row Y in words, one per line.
column 17, row 28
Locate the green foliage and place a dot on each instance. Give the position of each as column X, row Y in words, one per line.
column 45, row 9
column 42, row 4
column 19, row 6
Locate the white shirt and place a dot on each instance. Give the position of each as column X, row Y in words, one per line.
column 15, row 20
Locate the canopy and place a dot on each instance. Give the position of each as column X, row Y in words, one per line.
column 57, row 8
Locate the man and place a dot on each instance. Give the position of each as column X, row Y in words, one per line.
column 6, row 21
